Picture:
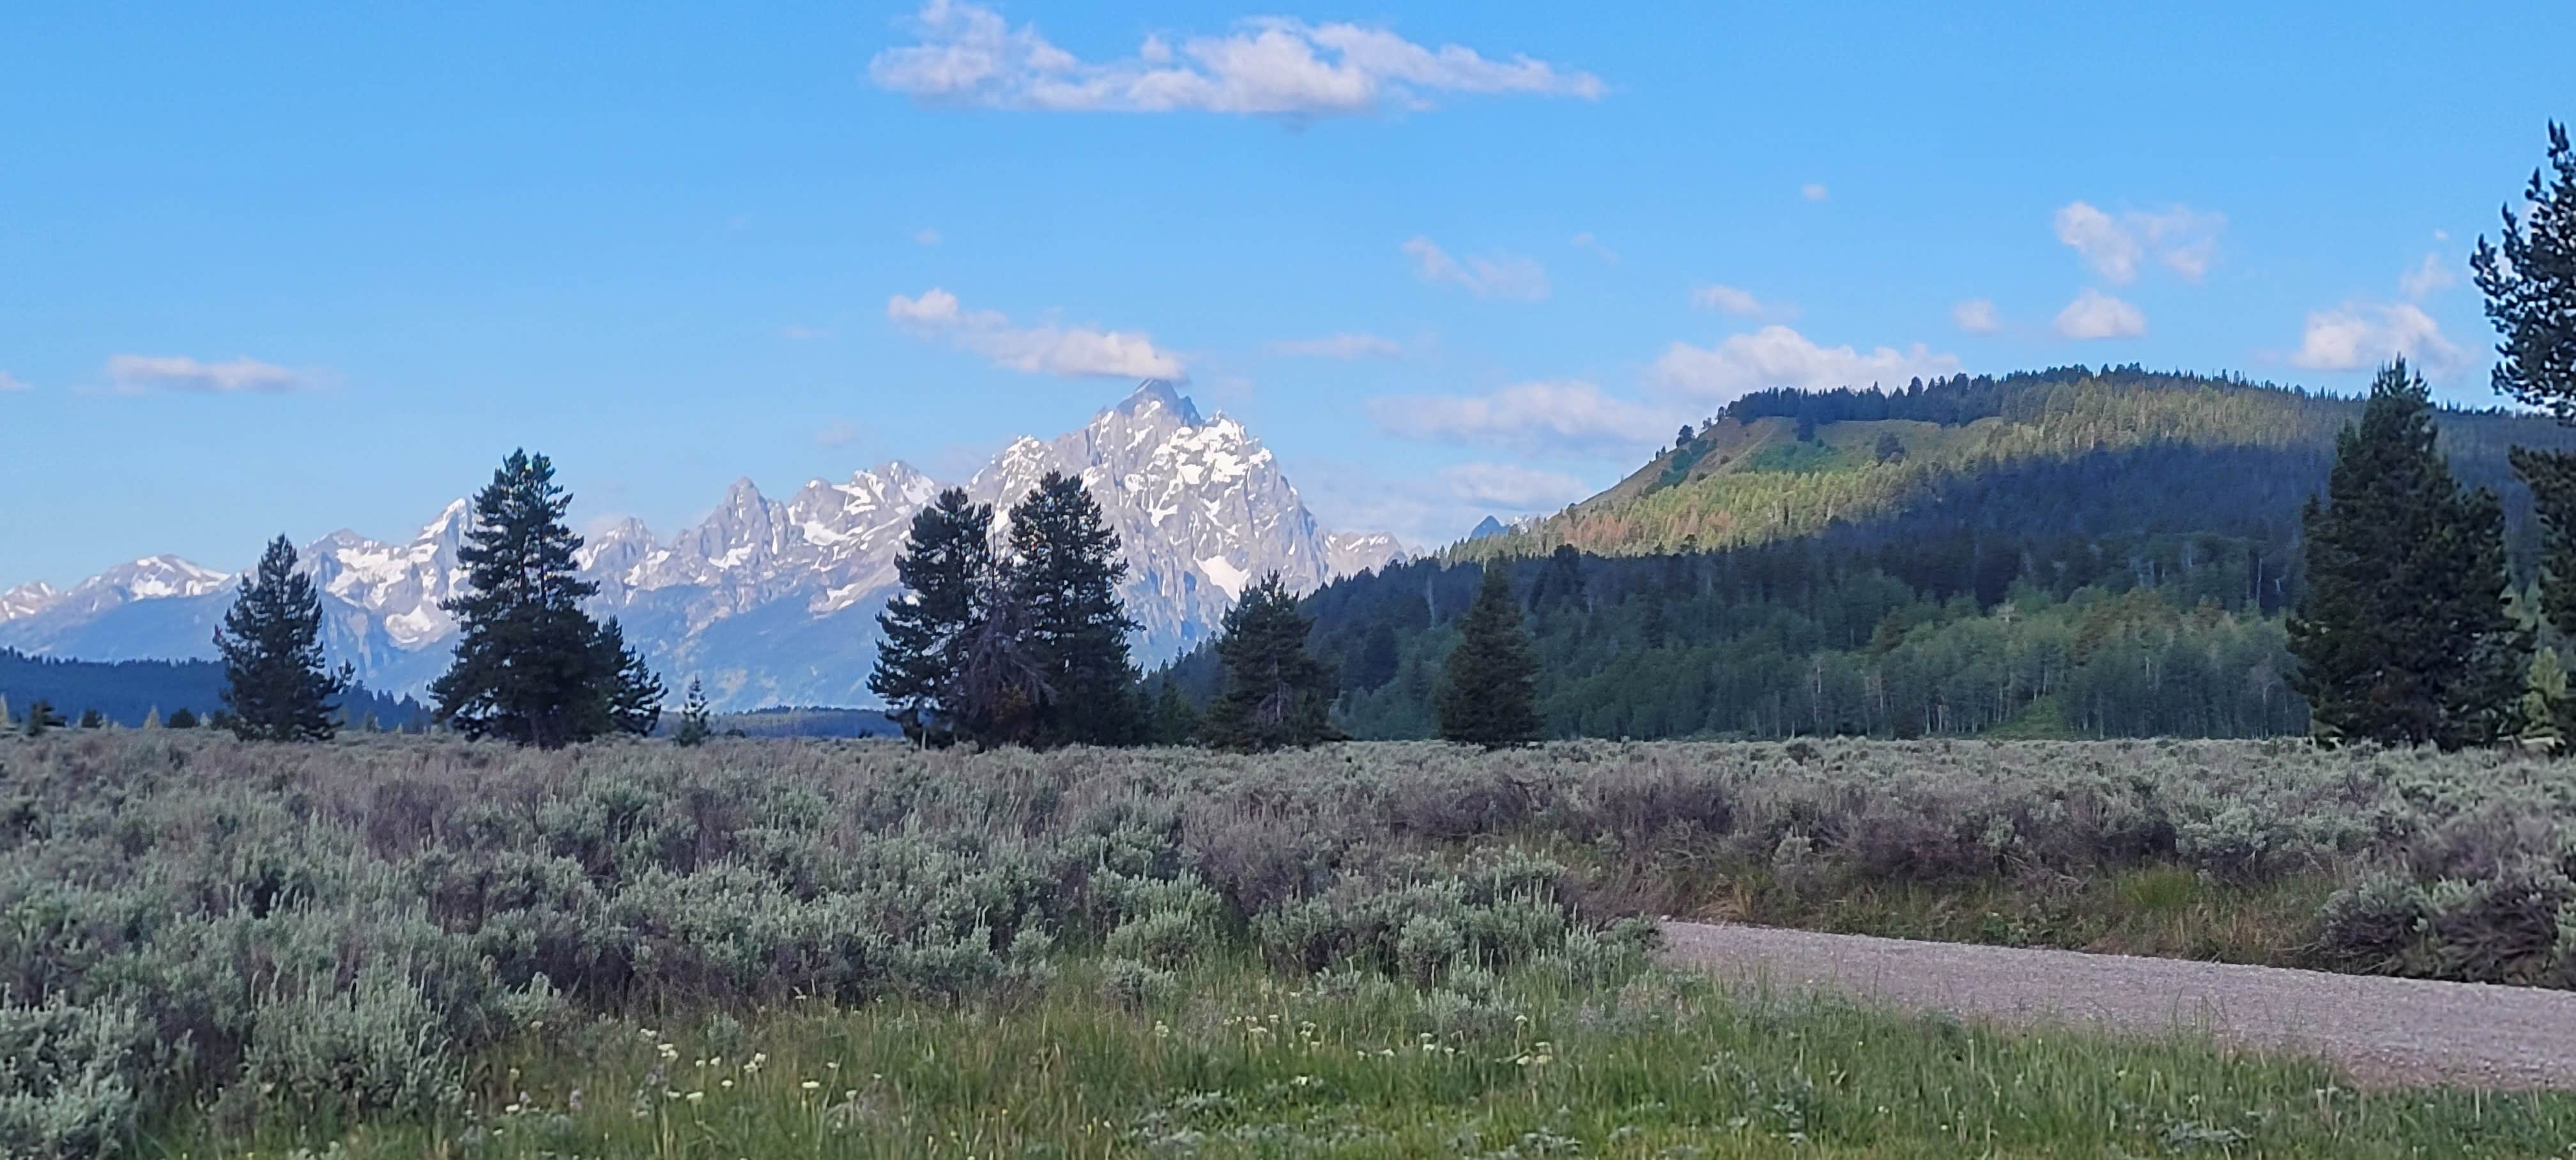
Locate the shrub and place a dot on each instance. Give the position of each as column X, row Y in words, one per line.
column 67, row 1078
column 345, row 922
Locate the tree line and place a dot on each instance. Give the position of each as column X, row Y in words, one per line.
column 1026, row 645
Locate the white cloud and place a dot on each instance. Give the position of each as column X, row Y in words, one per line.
column 2184, row 239
column 1976, row 316
column 1729, row 300
column 1275, row 66
column 802, row 333
column 1814, row 191
column 10, row 383
column 1340, row 346
column 1043, row 349
column 926, row 236
column 1587, row 243
column 2357, row 335
column 2429, row 277
column 1776, row 356
column 2095, row 314
column 1497, row 276
column 1564, row 417
column 135, row 374
column 839, row 433
column 1512, row 487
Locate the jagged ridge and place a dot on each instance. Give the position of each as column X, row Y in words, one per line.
column 772, row 602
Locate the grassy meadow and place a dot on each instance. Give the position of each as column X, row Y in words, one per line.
column 402, row 947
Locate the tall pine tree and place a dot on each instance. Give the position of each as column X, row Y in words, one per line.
column 948, row 574
column 2530, row 287
column 1277, row 695
column 1489, row 695
column 1063, row 578
column 2529, row 279
column 2403, row 637
column 275, row 681
column 531, row 666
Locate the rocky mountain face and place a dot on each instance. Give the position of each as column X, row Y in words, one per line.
column 768, row 601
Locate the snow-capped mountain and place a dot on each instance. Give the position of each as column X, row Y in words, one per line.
column 768, row 601
column 27, row 600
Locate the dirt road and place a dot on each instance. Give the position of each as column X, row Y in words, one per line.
column 2385, row 1032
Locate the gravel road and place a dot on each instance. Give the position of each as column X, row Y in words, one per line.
column 2384, row 1032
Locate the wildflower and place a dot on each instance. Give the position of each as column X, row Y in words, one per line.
column 728, row 1082
column 694, row 1097
column 811, row 1084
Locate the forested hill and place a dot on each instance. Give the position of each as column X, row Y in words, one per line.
column 125, row 692
column 2118, row 449
column 2061, row 553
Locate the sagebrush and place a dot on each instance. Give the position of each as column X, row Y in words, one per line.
column 334, row 930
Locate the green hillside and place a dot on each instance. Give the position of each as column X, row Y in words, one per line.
column 2070, row 553
column 1785, row 464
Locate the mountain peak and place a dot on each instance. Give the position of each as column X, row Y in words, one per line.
column 448, row 518
column 1160, row 393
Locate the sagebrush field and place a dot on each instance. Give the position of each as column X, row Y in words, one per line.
column 408, row 946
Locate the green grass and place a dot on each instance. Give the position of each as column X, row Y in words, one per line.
column 1243, row 1062
column 1794, row 456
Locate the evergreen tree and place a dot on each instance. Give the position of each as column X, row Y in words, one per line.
column 1489, row 694
column 696, row 724
column 5, row 718
column 184, row 718
column 2531, row 291
column 90, row 719
column 1176, row 721
column 531, row 666
column 1276, row 694
column 152, row 717
column 633, row 704
column 1890, row 449
column 948, row 573
column 41, row 718
column 2530, row 288
column 1002, row 680
column 1063, row 576
column 2403, row 637
column 275, row 680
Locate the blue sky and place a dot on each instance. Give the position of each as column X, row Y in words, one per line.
column 294, row 268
